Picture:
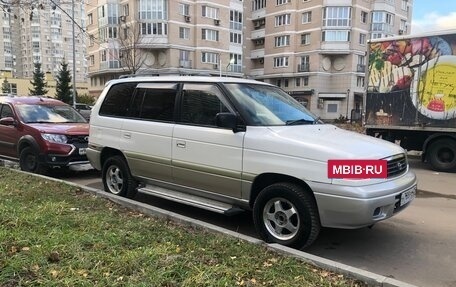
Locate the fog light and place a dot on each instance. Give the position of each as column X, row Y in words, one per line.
column 377, row 211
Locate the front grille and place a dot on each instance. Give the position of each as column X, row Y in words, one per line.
column 83, row 139
column 397, row 165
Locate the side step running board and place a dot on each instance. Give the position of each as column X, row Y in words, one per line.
column 189, row 199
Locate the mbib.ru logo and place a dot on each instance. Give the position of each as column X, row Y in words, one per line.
column 359, row 169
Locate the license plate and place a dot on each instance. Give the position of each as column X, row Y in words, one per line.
column 82, row 151
column 408, row 195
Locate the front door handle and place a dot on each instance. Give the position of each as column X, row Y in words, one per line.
column 180, row 144
column 127, row 135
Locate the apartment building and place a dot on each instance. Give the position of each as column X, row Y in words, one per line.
column 164, row 36
column 41, row 31
column 314, row 49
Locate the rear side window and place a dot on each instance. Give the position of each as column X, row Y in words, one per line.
column 154, row 101
column 117, row 100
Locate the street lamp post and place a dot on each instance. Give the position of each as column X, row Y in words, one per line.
column 74, row 56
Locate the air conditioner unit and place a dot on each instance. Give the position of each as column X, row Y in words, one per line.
column 216, row 22
column 401, row 31
column 187, row 19
column 123, row 18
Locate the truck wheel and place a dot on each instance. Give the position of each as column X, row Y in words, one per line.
column 117, row 178
column 442, row 155
column 28, row 161
column 285, row 213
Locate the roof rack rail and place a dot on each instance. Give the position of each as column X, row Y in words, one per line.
column 168, row 73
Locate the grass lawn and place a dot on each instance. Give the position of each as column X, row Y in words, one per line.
column 53, row 234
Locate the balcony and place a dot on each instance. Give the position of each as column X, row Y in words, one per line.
column 258, row 53
column 304, row 67
column 336, row 48
column 256, row 72
column 257, row 14
column 185, row 64
column 257, row 34
column 236, row 68
column 361, row 68
column 109, row 65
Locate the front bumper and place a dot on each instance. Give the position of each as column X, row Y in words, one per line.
column 339, row 211
column 76, row 156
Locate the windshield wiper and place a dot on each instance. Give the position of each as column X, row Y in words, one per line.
column 299, row 122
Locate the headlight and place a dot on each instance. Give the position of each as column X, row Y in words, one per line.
column 55, row 138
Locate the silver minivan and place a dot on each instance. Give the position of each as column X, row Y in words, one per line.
column 230, row 145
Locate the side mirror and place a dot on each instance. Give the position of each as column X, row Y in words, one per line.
column 7, row 121
column 226, row 120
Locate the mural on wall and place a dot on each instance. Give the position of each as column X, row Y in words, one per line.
column 412, row 81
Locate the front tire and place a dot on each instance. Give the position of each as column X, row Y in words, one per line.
column 442, row 155
column 117, row 178
column 285, row 213
column 29, row 161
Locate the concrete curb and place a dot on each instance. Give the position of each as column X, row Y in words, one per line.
column 370, row 278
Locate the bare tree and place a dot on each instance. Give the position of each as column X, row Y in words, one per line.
column 131, row 55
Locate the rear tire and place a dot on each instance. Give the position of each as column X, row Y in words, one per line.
column 442, row 155
column 117, row 178
column 29, row 161
column 287, row 214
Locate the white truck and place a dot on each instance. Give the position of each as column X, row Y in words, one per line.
column 411, row 95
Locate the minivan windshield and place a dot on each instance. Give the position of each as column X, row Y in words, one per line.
column 269, row 105
column 49, row 114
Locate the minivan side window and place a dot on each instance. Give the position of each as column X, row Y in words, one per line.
column 154, row 101
column 117, row 100
column 201, row 103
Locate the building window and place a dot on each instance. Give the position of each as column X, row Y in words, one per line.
column 258, row 4
column 360, row 82
column 153, row 28
column 235, row 63
column 209, row 34
column 235, row 38
column 211, row 58
column 184, row 33
column 404, row 5
column 235, row 20
column 281, row 2
column 364, row 17
column 184, row 9
column 282, row 41
column 285, row 83
column 90, row 19
column 305, row 81
column 210, row 12
column 337, row 17
column 331, row 108
column 126, row 10
column 304, row 64
column 92, row 60
column 403, row 27
column 298, row 82
column 280, row 62
column 281, row 20
column 336, row 36
column 306, row 17
column 103, row 56
column 382, row 21
column 153, row 9
column 362, row 39
column 305, row 39
column 278, row 82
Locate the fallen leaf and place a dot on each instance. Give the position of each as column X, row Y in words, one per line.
column 25, row 248
column 54, row 273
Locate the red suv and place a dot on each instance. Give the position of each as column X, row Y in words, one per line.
column 42, row 133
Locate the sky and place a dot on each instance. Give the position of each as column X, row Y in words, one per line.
column 433, row 15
